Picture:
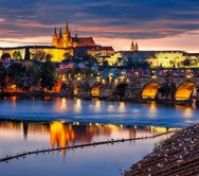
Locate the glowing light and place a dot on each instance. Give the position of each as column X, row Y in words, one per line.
column 75, row 91
column 95, row 92
column 79, row 78
column 150, row 91
column 103, row 81
column 98, row 79
column 185, row 91
column 154, row 77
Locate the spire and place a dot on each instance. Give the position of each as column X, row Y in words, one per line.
column 55, row 31
column 76, row 33
column 136, row 47
column 132, row 46
column 60, row 32
column 67, row 28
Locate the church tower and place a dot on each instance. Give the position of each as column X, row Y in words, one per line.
column 55, row 38
column 67, row 41
column 134, row 46
column 60, row 40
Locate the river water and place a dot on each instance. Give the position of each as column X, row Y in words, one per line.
column 30, row 124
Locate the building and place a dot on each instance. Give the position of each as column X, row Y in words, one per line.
column 66, row 40
column 64, row 45
column 134, row 46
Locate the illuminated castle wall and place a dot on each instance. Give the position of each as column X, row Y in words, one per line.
column 156, row 59
column 36, row 53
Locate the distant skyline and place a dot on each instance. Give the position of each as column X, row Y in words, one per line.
column 154, row 24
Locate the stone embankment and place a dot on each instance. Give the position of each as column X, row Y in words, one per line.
column 176, row 156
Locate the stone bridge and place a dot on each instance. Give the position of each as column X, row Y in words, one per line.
column 177, row 88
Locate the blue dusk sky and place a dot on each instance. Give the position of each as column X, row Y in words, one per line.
column 154, row 24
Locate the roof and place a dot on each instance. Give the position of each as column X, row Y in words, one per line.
column 84, row 41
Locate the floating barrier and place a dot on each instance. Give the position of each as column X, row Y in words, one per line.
column 112, row 141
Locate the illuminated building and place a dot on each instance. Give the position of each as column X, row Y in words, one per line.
column 64, row 45
column 65, row 39
column 155, row 59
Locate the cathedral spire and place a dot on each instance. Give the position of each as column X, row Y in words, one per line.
column 67, row 28
column 134, row 46
column 60, row 32
column 55, row 31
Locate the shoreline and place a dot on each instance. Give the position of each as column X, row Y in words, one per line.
column 177, row 155
column 114, row 99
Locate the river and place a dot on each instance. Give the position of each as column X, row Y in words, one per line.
column 30, row 124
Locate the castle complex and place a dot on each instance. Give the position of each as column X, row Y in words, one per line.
column 65, row 45
column 66, row 40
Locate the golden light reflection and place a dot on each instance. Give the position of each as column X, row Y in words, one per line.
column 58, row 138
column 78, row 105
column 61, row 135
column 185, row 91
column 60, row 105
column 13, row 100
column 98, row 105
column 152, row 109
column 150, row 90
column 122, row 107
column 160, row 130
column 187, row 111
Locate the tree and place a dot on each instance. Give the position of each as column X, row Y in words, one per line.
column 186, row 62
column 17, row 55
column 6, row 56
column 24, row 76
column 48, row 75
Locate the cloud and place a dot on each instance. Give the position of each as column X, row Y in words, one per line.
column 111, row 19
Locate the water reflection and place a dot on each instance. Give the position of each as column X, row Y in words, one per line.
column 78, row 105
column 96, row 111
column 122, row 107
column 186, row 111
column 153, row 109
column 60, row 105
column 62, row 134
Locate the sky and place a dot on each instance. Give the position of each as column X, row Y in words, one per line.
column 154, row 24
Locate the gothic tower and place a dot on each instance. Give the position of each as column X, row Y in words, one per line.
column 67, row 41
column 55, row 38
column 134, row 46
column 60, row 39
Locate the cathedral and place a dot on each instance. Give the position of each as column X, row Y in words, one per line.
column 64, row 39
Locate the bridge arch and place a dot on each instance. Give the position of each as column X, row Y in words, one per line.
column 184, row 91
column 6, row 56
column 150, row 90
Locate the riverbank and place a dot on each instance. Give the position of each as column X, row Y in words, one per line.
column 178, row 155
column 89, row 97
